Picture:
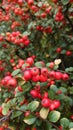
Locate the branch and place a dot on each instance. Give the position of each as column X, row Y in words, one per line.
column 6, row 117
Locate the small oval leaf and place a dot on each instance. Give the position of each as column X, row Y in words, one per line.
column 30, row 119
column 54, row 116
column 15, row 72
column 33, row 106
column 64, row 122
column 44, row 113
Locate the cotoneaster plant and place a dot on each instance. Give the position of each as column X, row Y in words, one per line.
column 30, row 101
column 36, row 73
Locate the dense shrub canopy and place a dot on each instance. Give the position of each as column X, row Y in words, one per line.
column 36, row 64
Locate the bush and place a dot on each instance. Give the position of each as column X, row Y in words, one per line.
column 36, row 67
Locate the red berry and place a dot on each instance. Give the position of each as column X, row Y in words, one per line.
column 43, row 78
column 59, row 92
column 27, row 113
column 30, row 61
column 52, row 74
column 52, row 82
column 27, row 75
column 12, row 82
column 43, row 15
column 0, row 110
column 51, row 65
column 34, row 93
column 56, row 103
column 27, row 42
column 71, row 117
column 36, row 78
column 58, row 50
column 20, row 89
column 30, row 2
column 46, row 102
column 68, row 53
column 52, row 107
column 1, row 128
column 34, row 71
column 44, row 71
column 46, row 95
column 58, row 75
column 65, row 77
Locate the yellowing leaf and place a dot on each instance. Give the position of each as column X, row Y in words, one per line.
column 57, row 61
column 29, row 120
column 44, row 113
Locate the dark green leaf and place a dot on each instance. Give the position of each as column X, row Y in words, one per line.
column 16, row 114
column 65, row 2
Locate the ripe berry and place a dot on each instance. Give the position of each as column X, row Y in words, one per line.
column 43, row 78
column 30, row 61
column 52, row 74
column 27, row 42
column 0, row 110
column 65, row 77
column 30, row 2
column 58, row 50
column 71, row 117
column 58, row 75
column 56, row 103
column 1, row 128
column 27, row 75
column 20, row 89
column 46, row 102
column 27, row 113
column 52, row 106
column 46, row 95
column 51, row 65
column 68, row 53
column 44, row 71
column 34, row 71
column 12, row 82
column 34, row 93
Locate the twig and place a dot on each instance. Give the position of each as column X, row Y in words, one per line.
column 6, row 117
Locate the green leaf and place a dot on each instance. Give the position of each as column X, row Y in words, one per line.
column 44, row 113
column 23, row 108
column 43, row 84
column 51, row 94
column 71, row 90
column 54, row 88
column 38, row 64
column 30, row 119
column 64, row 122
column 5, row 109
column 70, row 69
column 54, row 116
column 16, row 114
column 21, row 82
column 64, row 90
column 65, row 2
column 33, row 106
column 15, row 72
column 71, row 125
column 26, row 87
